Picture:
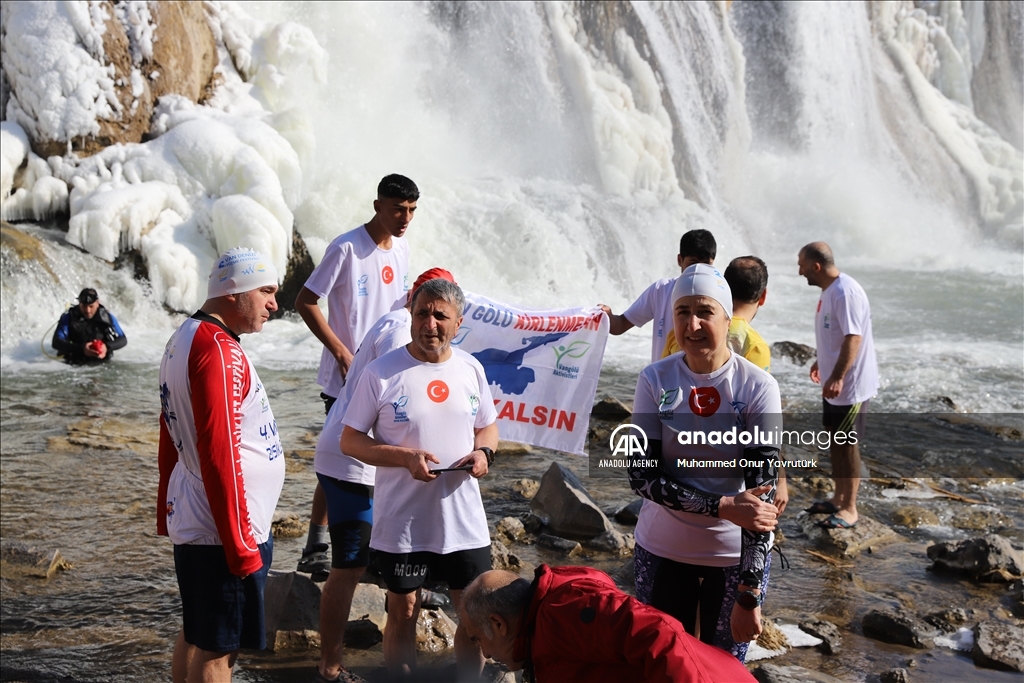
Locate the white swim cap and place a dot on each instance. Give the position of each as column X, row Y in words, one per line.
column 240, row 270
column 700, row 279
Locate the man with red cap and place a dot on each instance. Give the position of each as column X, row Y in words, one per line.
column 347, row 484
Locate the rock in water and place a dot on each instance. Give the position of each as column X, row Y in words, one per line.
column 501, row 558
column 629, row 514
column 895, row 676
column 798, row 353
column 291, row 611
column 774, row 673
column 569, row 509
column 570, row 548
column 998, row 646
column 21, row 559
column 850, row 542
column 989, row 559
column 287, row 525
column 509, row 530
column 827, row 631
column 611, row 409
column 900, row 629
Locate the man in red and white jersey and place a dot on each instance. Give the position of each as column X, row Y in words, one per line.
column 221, row 469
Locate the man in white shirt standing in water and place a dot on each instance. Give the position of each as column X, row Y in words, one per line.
column 430, row 409
column 848, row 373
column 364, row 274
column 348, row 486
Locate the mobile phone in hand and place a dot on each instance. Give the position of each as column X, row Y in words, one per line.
column 461, row 468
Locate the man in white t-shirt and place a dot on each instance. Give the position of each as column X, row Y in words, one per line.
column 847, row 370
column 347, row 484
column 695, row 246
column 434, row 432
column 363, row 275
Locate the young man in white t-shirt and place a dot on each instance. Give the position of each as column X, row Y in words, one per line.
column 433, row 422
column 847, row 370
column 363, row 275
column 695, row 246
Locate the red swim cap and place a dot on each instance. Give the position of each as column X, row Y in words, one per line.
column 428, row 275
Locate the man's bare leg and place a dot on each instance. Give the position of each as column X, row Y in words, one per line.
column 318, row 515
column 211, row 667
column 846, row 473
column 182, row 658
column 335, row 604
column 400, row 632
column 469, row 659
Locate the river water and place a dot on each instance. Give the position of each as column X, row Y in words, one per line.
column 78, row 470
column 561, row 154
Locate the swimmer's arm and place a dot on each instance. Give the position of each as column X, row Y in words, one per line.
column 833, row 386
column 364, row 447
column 755, row 545
column 617, row 324
column 744, row 509
column 652, row 484
column 308, row 309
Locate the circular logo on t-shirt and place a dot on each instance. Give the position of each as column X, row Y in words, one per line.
column 387, row 275
column 437, row 391
column 704, row 401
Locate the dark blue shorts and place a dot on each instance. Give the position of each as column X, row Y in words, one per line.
column 349, row 521
column 405, row 572
column 221, row 612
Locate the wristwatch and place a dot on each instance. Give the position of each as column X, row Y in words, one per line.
column 749, row 600
column 488, row 452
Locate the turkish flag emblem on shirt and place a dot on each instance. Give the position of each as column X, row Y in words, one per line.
column 437, row 391
column 387, row 275
column 704, row 401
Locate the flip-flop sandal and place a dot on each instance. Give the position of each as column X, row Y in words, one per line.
column 822, row 507
column 835, row 522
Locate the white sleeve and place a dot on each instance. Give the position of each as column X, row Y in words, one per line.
column 486, row 414
column 321, row 280
column 364, row 403
column 645, row 407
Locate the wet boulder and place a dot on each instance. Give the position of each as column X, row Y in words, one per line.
column 948, row 620
column 501, row 558
column 991, row 559
column 799, row 354
column 435, row 631
column 509, row 530
column 889, row 626
column 775, row 673
column 287, row 525
column 630, row 513
column 611, row 409
column 291, row 611
column 20, row 559
column 564, row 502
column 997, row 646
column 525, row 488
column 865, row 534
column 562, row 545
column 831, row 640
column 897, row 675
column 913, row 516
column 612, row 541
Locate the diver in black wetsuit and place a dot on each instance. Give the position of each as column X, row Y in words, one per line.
column 88, row 333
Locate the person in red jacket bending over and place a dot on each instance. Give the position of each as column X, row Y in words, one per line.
column 574, row 624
